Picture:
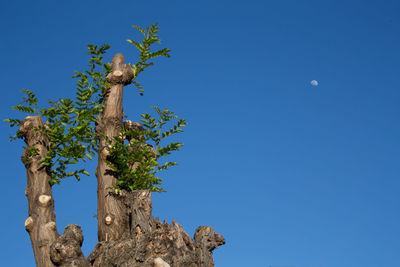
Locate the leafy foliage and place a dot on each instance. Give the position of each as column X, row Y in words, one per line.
column 150, row 35
column 70, row 124
column 136, row 164
column 30, row 151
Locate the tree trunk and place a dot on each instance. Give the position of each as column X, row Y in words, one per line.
column 152, row 243
column 48, row 247
column 127, row 232
column 40, row 224
column 112, row 216
column 128, row 235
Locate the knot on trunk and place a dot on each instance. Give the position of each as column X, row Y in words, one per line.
column 121, row 73
column 206, row 240
column 35, row 138
column 129, row 125
column 30, row 128
column 66, row 250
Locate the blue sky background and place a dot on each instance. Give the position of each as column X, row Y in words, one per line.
column 289, row 173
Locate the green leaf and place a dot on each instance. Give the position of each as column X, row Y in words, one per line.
column 70, row 123
column 136, row 44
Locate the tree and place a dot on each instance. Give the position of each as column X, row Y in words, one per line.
column 130, row 155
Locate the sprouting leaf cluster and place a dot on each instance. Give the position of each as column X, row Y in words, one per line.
column 135, row 165
column 150, row 37
column 30, row 152
column 28, row 105
column 70, row 125
column 70, row 122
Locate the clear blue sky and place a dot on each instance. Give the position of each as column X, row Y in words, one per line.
column 289, row 173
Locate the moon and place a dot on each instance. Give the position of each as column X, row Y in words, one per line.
column 314, row 83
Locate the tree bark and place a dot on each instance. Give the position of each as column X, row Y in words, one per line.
column 66, row 250
column 152, row 243
column 127, row 232
column 113, row 220
column 41, row 223
column 49, row 248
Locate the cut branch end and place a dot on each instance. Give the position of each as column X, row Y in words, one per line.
column 108, row 220
column 158, row 262
column 29, row 223
column 44, row 200
column 117, row 73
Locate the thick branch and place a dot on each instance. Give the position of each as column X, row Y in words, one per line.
column 40, row 224
column 113, row 219
column 121, row 73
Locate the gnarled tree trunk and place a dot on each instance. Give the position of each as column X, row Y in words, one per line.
column 112, row 217
column 48, row 247
column 127, row 232
column 152, row 243
column 41, row 223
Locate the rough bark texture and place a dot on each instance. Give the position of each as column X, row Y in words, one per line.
column 206, row 240
column 127, row 232
column 112, row 217
column 128, row 235
column 49, row 248
column 40, row 224
column 152, row 243
column 66, row 250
